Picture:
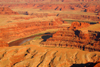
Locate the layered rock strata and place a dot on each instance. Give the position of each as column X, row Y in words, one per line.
column 23, row 29
column 71, row 37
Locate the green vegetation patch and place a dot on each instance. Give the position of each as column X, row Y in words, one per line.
column 36, row 38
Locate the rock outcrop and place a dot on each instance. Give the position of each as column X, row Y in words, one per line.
column 79, row 17
column 71, row 37
column 77, row 25
column 7, row 11
column 97, row 64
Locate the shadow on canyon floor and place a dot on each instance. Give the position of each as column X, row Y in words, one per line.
column 45, row 37
column 84, row 65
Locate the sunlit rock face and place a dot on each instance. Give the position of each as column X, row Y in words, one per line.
column 72, row 37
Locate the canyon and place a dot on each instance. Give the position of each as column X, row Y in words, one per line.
column 49, row 33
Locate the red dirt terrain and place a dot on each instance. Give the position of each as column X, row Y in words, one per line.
column 85, row 7
column 47, row 0
column 33, row 56
column 49, row 33
column 7, row 11
column 88, row 11
column 64, row 7
column 3, row 44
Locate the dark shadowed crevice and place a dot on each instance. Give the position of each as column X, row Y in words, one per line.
column 84, row 65
column 77, row 32
column 46, row 37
